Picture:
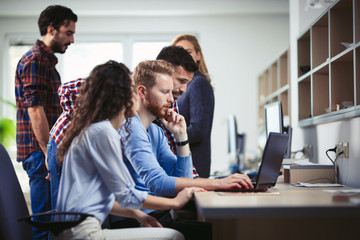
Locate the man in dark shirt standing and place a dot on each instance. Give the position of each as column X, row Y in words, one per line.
column 185, row 67
column 37, row 102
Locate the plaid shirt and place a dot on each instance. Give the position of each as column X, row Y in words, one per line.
column 36, row 83
column 68, row 93
column 170, row 137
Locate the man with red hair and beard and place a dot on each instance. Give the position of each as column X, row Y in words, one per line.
column 152, row 165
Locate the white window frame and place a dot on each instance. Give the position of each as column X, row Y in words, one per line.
column 6, row 86
column 127, row 39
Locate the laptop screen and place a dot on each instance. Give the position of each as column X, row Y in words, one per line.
column 272, row 158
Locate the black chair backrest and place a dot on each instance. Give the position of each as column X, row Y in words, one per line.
column 12, row 202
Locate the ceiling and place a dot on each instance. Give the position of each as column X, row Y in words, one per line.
column 30, row 8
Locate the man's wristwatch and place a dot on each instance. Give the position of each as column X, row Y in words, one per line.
column 182, row 143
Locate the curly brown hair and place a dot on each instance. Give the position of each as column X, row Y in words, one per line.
column 106, row 92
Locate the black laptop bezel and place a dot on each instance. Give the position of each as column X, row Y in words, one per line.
column 262, row 187
column 266, row 149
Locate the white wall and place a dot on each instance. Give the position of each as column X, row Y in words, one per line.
column 322, row 136
column 237, row 48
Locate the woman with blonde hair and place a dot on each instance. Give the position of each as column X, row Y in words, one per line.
column 197, row 106
column 191, row 44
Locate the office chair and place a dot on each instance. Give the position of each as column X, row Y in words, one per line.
column 15, row 222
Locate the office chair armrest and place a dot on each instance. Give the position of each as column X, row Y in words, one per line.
column 55, row 227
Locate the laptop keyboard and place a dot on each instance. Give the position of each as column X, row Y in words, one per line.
column 242, row 190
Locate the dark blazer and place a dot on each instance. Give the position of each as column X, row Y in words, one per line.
column 197, row 107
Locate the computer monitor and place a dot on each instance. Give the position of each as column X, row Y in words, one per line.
column 274, row 122
column 236, row 144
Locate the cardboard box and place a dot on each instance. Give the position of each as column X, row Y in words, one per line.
column 309, row 174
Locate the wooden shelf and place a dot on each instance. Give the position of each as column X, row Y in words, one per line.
column 321, row 85
column 320, row 41
column 341, row 26
column 284, row 76
column 274, row 77
column 274, row 85
column 357, row 21
column 342, row 80
column 330, row 49
column 334, row 116
column 305, row 99
column 267, row 84
column 284, row 98
column 304, row 54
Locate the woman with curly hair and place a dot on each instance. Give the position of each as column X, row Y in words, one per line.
column 94, row 177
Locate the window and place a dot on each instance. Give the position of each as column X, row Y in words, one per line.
column 81, row 58
column 15, row 53
column 146, row 51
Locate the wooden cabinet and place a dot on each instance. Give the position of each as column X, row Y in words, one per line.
column 329, row 65
column 274, row 85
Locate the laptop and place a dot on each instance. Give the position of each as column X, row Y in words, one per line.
column 272, row 158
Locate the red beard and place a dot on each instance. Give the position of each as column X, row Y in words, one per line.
column 156, row 109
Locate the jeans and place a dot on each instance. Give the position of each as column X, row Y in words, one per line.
column 54, row 171
column 35, row 167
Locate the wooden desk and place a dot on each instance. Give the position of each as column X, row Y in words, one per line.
column 286, row 212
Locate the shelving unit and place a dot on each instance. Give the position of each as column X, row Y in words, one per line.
column 274, row 85
column 329, row 66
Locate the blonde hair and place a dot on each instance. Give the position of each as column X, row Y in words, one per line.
column 146, row 71
column 191, row 38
